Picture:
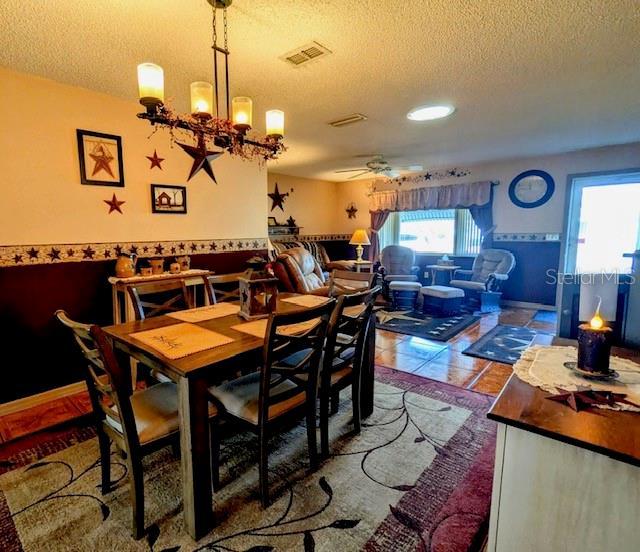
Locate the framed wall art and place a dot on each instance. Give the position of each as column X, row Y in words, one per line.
column 168, row 199
column 100, row 158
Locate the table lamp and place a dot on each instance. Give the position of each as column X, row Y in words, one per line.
column 359, row 239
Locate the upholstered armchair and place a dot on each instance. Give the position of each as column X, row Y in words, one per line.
column 490, row 270
column 299, row 272
column 397, row 263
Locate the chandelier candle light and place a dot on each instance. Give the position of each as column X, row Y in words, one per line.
column 594, row 345
column 214, row 119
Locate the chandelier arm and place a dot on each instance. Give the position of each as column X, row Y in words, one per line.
column 215, row 57
column 226, row 59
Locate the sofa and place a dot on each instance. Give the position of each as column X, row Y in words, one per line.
column 318, row 252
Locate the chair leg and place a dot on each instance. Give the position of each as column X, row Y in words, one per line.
column 324, row 422
column 264, row 468
column 215, row 456
column 355, row 400
column 175, row 449
column 105, row 461
column 137, row 495
column 335, row 402
column 312, row 438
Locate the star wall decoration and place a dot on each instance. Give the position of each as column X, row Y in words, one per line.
column 278, row 199
column 202, row 159
column 114, row 204
column 102, row 158
column 351, row 211
column 155, row 160
column 291, row 221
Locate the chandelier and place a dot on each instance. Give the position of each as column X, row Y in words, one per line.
column 214, row 120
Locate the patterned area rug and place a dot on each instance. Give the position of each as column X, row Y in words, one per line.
column 418, row 477
column 502, row 344
column 424, row 325
column 546, row 316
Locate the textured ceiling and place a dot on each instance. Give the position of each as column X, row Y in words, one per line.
column 527, row 77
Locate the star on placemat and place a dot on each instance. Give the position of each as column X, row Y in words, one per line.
column 202, row 158
column 585, row 397
column 102, row 158
column 155, row 160
column 114, row 204
column 277, row 199
column 387, row 316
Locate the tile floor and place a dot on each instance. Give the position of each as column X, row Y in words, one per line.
column 432, row 359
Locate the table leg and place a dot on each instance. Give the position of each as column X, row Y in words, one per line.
column 367, row 373
column 194, row 456
column 115, row 299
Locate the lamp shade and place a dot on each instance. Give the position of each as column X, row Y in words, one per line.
column 360, row 237
column 241, row 108
column 201, row 98
column 275, row 123
column 150, row 84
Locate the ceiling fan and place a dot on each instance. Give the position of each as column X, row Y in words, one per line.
column 379, row 165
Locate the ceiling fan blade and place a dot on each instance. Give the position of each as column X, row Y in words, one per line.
column 352, row 170
column 357, row 175
column 408, row 168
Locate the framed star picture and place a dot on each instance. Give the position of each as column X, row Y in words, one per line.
column 100, row 157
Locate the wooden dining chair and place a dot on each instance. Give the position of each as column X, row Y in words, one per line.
column 265, row 401
column 138, row 423
column 344, row 356
column 160, row 297
column 222, row 287
column 347, row 281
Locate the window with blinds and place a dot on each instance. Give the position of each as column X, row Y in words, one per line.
column 450, row 231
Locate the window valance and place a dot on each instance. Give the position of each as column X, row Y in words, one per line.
column 454, row 196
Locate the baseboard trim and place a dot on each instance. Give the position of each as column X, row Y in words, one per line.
column 527, row 305
column 46, row 396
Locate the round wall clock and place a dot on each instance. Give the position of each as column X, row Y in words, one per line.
column 531, row 189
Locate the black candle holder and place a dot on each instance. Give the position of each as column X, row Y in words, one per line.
column 594, row 349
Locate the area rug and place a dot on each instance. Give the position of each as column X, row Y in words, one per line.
column 418, row 477
column 502, row 344
column 424, row 325
column 545, row 316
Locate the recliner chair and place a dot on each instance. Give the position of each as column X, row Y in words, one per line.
column 490, row 270
column 299, row 272
column 397, row 263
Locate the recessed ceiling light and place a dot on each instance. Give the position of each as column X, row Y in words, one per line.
column 430, row 112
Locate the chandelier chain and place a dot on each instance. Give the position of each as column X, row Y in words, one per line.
column 214, row 26
column 226, row 32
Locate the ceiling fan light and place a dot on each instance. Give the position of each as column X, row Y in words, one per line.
column 430, row 112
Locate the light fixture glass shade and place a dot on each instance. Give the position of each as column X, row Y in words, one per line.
column 150, row 84
column 360, row 237
column 241, row 109
column 201, row 98
column 275, row 123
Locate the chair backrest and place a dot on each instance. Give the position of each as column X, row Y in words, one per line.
column 222, row 287
column 155, row 298
column 492, row 261
column 397, row 259
column 350, row 324
column 299, row 271
column 347, row 281
column 299, row 338
column 108, row 384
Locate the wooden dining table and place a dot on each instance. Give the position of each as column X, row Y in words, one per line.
column 193, row 374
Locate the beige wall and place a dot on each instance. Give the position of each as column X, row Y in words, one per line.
column 44, row 202
column 509, row 218
column 313, row 204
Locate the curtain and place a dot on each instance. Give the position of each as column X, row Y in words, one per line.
column 378, row 218
column 389, row 234
column 483, row 217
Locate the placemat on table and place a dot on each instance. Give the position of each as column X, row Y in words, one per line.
column 181, row 340
column 258, row 328
column 307, row 300
column 206, row 313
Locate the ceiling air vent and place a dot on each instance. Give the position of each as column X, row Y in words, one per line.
column 349, row 120
column 306, row 53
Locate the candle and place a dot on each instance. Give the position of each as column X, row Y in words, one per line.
column 241, row 108
column 201, row 99
column 150, row 84
column 594, row 344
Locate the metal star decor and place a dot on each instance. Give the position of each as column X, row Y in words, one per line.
column 155, row 160
column 291, row 221
column 277, row 199
column 585, row 397
column 202, row 159
column 114, row 204
column 102, row 158
column 351, row 211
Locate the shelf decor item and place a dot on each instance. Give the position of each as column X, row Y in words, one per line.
column 215, row 118
column 594, row 345
column 258, row 291
column 359, row 239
